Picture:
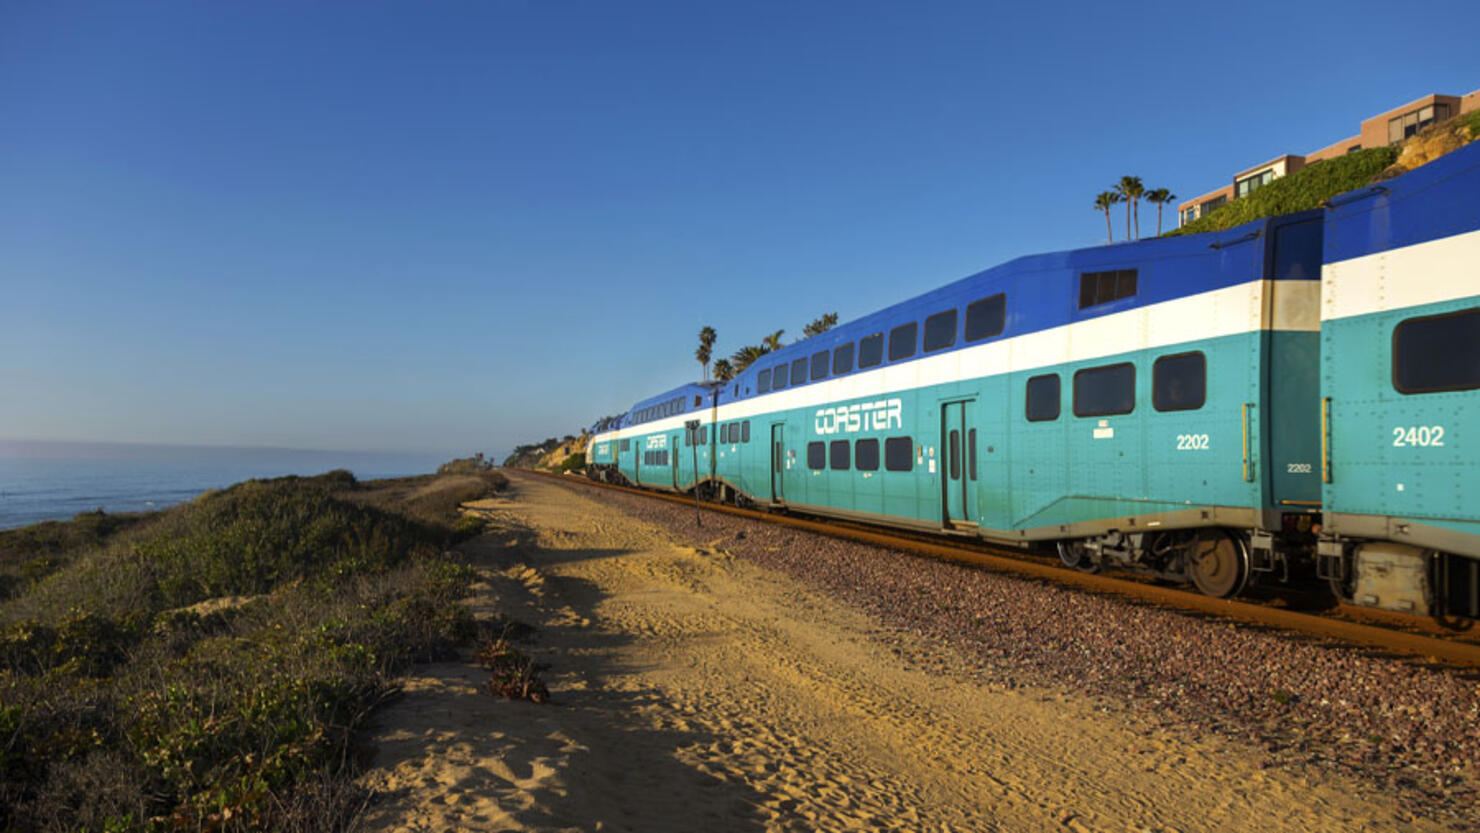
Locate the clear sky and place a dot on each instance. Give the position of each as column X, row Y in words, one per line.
column 447, row 227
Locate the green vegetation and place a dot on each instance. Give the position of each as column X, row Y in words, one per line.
column 1302, row 190
column 207, row 667
column 574, row 462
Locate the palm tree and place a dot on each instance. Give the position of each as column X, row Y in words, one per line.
column 747, row 355
column 706, row 349
column 1160, row 196
column 772, row 341
column 1130, row 189
column 723, row 370
column 1103, row 201
column 820, row 325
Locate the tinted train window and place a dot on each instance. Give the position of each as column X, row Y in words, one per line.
column 1437, row 352
column 899, row 454
column 798, row 372
column 866, row 455
column 986, row 318
column 940, row 330
column 727, row 433
column 971, row 453
column 763, row 381
column 902, row 341
column 819, row 365
column 816, row 456
column 843, row 359
column 1180, row 382
column 837, row 455
column 1104, row 287
column 745, row 431
column 704, row 435
column 626, row 445
column 1297, row 251
column 1043, row 398
column 1102, row 391
column 778, row 377
column 871, row 350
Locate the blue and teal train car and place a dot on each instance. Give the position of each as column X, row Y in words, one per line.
column 1400, row 390
column 1150, row 404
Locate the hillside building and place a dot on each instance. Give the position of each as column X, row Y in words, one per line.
column 1385, row 128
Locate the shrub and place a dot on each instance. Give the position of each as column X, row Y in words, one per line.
column 574, row 462
column 1305, row 189
column 122, row 709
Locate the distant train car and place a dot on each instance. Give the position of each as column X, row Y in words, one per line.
column 1400, row 390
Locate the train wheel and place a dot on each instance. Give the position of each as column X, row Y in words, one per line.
column 1219, row 564
column 1077, row 556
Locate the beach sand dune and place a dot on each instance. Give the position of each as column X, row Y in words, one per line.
column 693, row 691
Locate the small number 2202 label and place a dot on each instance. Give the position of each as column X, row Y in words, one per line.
column 1192, row 442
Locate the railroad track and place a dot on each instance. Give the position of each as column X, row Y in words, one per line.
column 1405, row 635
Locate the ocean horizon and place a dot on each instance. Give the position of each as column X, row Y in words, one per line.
column 47, row 480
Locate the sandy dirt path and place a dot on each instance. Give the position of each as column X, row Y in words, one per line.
column 693, row 691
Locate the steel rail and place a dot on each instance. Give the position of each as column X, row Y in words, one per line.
column 1431, row 648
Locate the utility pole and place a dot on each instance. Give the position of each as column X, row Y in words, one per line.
column 693, row 426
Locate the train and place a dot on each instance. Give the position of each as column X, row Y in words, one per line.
column 1296, row 397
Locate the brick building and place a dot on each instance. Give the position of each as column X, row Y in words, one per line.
column 1385, row 128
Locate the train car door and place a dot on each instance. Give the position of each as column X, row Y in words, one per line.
column 673, row 461
column 958, row 479
column 778, row 462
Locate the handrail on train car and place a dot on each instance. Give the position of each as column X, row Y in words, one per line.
column 1356, row 196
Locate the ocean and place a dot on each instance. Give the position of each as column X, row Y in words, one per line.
column 55, row 481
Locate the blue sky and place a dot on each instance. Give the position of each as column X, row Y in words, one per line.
column 447, row 227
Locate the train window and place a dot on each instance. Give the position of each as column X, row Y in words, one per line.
column 724, row 433
column 816, row 456
column 688, row 438
column 866, row 455
column 837, row 455
column 986, row 318
column 799, row 372
column 843, row 359
column 1103, row 391
column 626, row 445
column 1179, row 382
column 778, row 376
column 871, row 351
column 745, row 431
column 763, row 381
column 1103, row 287
column 1437, row 352
column 899, row 454
column 703, row 435
column 1297, row 251
column 954, row 457
column 819, row 365
column 902, row 341
column 940, row 330
column 1043, row 398
column 971, row 454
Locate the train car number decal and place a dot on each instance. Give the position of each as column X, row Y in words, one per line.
column 657, row 441
column 1426, row 436
column 1192, row 442
column 1297, row 468
column 864, row 416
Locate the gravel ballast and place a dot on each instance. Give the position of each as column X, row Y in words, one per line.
column 1406, row 728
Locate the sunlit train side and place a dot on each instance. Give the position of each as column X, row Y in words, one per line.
column 1400, row 390
column 1180, row 406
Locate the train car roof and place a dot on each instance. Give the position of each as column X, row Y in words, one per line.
column 1390, row 215
column 1041, row 289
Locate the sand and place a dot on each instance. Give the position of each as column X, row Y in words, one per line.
column 693, row 691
